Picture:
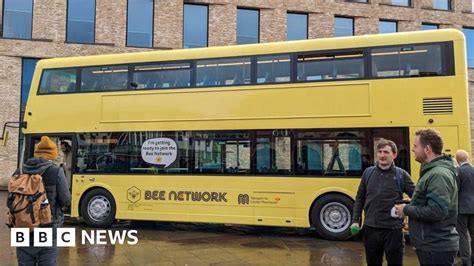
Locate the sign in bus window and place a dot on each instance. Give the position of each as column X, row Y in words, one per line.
column 223, row 72
column 104, row 78
column 160, row 152
column 58, row 81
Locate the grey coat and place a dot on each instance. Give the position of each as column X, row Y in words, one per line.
column 465, row 182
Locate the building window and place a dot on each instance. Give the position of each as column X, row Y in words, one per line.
column 80, row 21
column 248, row 26
column 386, row 26
column 27, row 69
column 140, row 23
column 442, row 4
column 297, row 26
column 469, row 33
column 17, row 19
column 401, row 2
column 195, row 26
column 343, row 26
column 428, row 26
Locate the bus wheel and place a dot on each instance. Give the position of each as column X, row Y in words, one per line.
column 98, row 208
column 331, row 216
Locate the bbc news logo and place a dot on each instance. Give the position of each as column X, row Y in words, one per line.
column 66, row 237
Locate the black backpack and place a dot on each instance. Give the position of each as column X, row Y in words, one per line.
column 398, row 173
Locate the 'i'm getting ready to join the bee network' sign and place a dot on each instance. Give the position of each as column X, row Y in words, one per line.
column 159, row 151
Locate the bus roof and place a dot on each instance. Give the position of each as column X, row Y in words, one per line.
column 260, row 48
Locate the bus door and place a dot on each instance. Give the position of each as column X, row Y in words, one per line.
column 65, row 147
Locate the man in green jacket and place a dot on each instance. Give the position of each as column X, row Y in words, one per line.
column 433, row 210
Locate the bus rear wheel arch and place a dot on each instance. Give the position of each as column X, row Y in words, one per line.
column 98, row 208
column 331, row 216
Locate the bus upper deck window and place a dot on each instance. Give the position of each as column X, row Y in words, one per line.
column 58, row 81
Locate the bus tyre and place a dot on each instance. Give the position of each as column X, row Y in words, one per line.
column 331, row 216
column 98, row 208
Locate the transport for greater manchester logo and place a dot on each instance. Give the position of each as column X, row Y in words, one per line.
column 133, row 194
column 243, row 199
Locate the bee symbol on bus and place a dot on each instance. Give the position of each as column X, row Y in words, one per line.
column 243, row 199
column 133, row 194
column 158, row 159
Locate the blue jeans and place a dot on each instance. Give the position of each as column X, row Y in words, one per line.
column 42, row 256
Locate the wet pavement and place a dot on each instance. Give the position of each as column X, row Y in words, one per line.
column 162, row 243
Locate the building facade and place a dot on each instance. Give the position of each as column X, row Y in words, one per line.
column 33, row 29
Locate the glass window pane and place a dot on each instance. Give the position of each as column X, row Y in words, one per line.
column 418, row 60
column 332, row 153
column 247, row 26
column 387, row 26
column 80, row 21
column 170, row 75
column 343, row 26
column 442, row 4
column 223, row 72
column 195, row 26
column 222, row 152
column 401, row 2
column 273, row 152
column 297, row 26
column 27, row 70
column 469, row 33
column 140, row 23
column 426, row 26
column 103, row 153
column 273, row 69
column 17, row 18
column 58, row 81
column 330, row 66
column 104, row 78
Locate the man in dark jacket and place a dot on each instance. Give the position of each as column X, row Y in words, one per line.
column 377, row 194
column 58, row 197
column 465, row 182
column 433, row 210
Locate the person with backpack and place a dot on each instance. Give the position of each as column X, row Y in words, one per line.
column 57, row 199
column 380, row 188
column 432, row 213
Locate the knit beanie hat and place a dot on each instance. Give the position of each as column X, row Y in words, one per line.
column 46, row 149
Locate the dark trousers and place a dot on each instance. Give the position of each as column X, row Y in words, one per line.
column 41, row 256
column 466, row 248
column 436, row 257
column 378, row 241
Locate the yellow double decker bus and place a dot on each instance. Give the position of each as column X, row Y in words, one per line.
column 274, row 134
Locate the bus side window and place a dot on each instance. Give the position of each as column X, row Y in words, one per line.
column 374, row 69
